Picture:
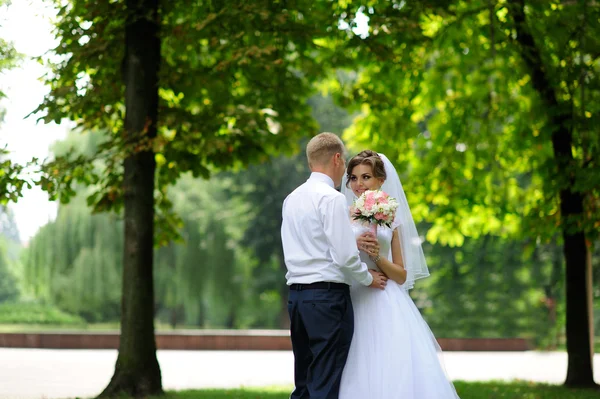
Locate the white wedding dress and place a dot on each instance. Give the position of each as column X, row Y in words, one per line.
column 393, row 354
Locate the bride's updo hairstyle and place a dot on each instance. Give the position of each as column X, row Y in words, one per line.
column 366, row 157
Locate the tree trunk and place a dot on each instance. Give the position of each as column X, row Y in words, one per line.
column 174, row 316
column 231, row 317
column 579, row 318
column 590, row 286
column 580, row 366
column 137, row 372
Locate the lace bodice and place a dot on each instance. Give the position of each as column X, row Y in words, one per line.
column 384, row 236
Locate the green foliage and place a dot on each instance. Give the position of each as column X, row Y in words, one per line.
column 493, row 287
column 13, row 179
column 33, row 313
column 519, row 390
column 9, row 289
column 444, row 92
column 487, row 109
column 205, row 280
column 8, row 226
column 9, row 257
column 74, row 262
column 440, row 87
column 233, row 86
column 228, row 269
column 264, row 188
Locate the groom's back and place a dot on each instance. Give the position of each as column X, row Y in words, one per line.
column 302, row 208
column 305, row 244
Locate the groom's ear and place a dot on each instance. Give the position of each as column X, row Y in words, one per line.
column 339, row 158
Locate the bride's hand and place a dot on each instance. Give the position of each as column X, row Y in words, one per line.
column 368, row 243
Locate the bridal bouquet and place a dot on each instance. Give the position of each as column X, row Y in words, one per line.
column 375, row 207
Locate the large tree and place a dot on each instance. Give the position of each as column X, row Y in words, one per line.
column 137, row 371
column 489, row 107
column 570, row 133
column 230, row 90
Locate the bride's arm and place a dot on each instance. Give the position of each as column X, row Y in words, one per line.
column 393, row 269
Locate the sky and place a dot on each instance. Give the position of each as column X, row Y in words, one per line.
column 27, row 24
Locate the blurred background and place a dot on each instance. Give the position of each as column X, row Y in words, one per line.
column 445, row 102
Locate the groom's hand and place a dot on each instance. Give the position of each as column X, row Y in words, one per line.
column 379, row 280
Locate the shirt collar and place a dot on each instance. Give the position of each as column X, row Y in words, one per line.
column 323, row 178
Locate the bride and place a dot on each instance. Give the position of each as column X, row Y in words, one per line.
column 393, row 352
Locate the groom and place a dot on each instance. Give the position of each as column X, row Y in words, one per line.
column 322, row 259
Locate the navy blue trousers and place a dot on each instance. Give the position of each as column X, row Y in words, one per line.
column 322, row 324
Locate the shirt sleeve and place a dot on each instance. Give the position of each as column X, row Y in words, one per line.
column 338, row 231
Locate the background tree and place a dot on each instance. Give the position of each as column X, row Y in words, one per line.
column 487, row 106
column 231, row 89
column 471, row 283
column 266, row 186
column 137, row 371
column 9, row 289
column 203, row 280
column 229, row 214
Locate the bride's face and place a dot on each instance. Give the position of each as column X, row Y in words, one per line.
column 362, row 179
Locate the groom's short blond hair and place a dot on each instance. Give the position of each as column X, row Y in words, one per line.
column 321, row 148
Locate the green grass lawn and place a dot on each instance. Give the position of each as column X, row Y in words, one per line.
column 466, row 390
column 520, row 390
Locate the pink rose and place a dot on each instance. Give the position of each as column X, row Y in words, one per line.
column 380, row 216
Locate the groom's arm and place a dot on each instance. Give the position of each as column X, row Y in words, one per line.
column 341, row 240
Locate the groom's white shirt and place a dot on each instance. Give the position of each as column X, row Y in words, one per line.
column 318, row 242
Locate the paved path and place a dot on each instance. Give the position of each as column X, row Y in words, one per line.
column 49, row 374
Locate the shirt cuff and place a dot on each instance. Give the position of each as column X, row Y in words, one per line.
column 367, row 281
